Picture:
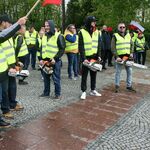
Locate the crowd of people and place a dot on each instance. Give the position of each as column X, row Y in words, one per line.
column 19, row 47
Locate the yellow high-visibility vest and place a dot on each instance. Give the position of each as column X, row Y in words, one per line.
column 123, row 44
column 3, row 61
column 141, row 43
column 8, row 49
column 49, row 47
column 40, row 43
column 23, row 50
column 90, row 43
column 31, row 38
column 71, row 46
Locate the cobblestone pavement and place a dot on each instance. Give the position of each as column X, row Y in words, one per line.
column 132, row 131
column 70, row 124
column 35, row 106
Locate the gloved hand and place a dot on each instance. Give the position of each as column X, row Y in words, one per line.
column 131, row 55
column 118, row 59
column 86, row 61
column 52, row 61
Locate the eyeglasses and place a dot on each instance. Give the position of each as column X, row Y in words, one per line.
column 122, row 27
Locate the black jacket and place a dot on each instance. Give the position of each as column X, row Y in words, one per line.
column 4, row 36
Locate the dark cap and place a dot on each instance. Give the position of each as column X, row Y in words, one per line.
column 5, row 18
column 91, row 19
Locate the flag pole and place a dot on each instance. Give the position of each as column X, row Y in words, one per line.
column 33, row 8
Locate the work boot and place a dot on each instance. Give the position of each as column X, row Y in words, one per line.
column 8, row 115
column 17, row 108
column 116, row 89
column 131, row 89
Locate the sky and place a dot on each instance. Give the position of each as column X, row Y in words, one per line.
column 66, row 1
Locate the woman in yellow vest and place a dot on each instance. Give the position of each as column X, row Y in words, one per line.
column 71, row 50
column 140, row 48
column 89, row 48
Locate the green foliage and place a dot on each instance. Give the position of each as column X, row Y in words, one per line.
column 17, row 9
column 107, row 12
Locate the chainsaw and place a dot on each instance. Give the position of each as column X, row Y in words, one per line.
column 93, row 65
column 128, row 61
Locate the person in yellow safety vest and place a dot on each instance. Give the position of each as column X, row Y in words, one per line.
column 53, row 46
column 4, row 67
column 21, row 51
column 31, row 37
column 39, row 42
column 8, row 47
column 140, row 44
column 89, row 48
column 121, row 46
column 71, row 50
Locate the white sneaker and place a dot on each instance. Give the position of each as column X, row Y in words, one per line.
column 95, row 93
column 83, row 95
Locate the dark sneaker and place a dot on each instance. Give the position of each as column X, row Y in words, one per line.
column 104, row 68
column 4, row 124
column 22, row 82
column 1, row 138
column 57, row 97
column 43, row 95
column 131, row 89
column 110, row 65
column 116, row 89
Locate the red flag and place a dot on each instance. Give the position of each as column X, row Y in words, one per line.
column 56, row 2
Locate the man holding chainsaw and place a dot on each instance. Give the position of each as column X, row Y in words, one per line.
column 53, row 46
column 89, row 48
column 121, row 47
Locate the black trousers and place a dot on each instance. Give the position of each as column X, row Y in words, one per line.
column 85, row 71
column 109, row 55
column 141, row 57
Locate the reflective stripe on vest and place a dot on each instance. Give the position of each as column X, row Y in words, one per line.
column 90, row 43
column 71, row 46
column 9, row 51
column 141, row 43
column 23, row 50
column 123, row 44
column 3, row 61
column 50, row 48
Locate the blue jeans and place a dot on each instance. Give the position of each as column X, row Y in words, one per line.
column 12, row 91
column 56, row 78
column 32, row 52
column 4, row 96
column 72, row 64
column 118, row 72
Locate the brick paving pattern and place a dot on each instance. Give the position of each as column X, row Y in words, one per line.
column 113, row 121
